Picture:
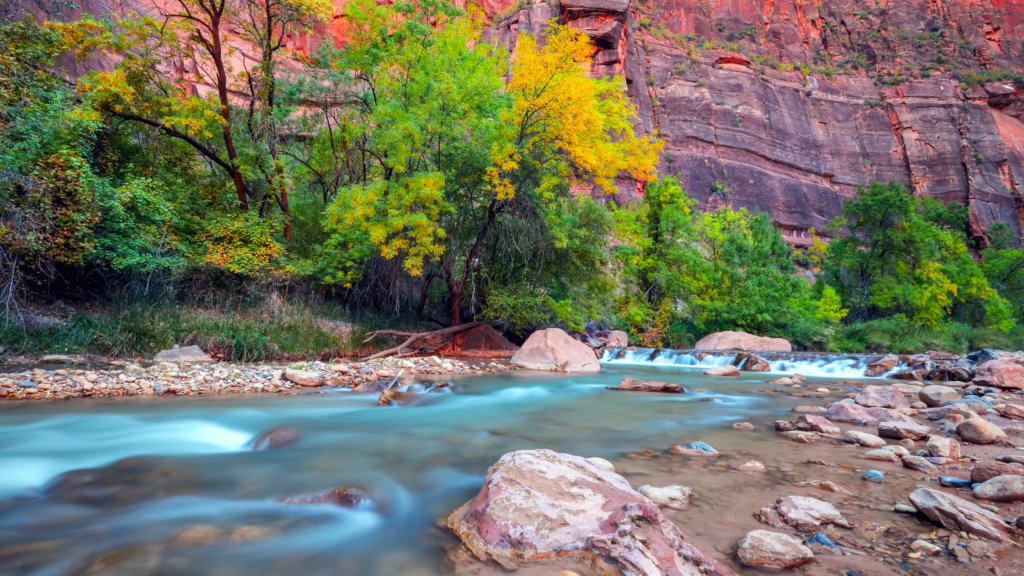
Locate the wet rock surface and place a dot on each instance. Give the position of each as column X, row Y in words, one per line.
column 633, row 385
column 772, row 550
column 538, row 504
column 954, row 513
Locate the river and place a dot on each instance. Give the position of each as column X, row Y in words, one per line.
column 138, row 471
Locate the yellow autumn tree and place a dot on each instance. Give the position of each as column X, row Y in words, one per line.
column 454, row 158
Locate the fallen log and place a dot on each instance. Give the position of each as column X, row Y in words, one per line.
column 413, row 337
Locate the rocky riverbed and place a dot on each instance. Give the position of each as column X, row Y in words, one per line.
column 867, row 476
column 121, row 378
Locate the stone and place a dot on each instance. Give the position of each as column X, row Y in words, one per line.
column 815, row 424
column 925, row 547
column 988, row 469
column 392, row 397
column 901, row 430
column 743, row 426
column 850, row 412
column 943, row 447
column 978, row 431
column 881, row 397
column 883, row 455
column 935, row 395
column 748, row 362
column 954, row 482
column 349, row 497
column 752, row 466
column 198, row 535
column 275, row 438
column 957, row 514
column 897, row 450
column 864, row 439
column 810, row 409
column 729, row 340
column 602, row 463
column 919, row 463
column 806, row 513
column 882, row 365
column 1008, row 488
column 694, row 449
column 1012, row 411
column 617, row 339
column 306, row 378
column 482, row 341
column 677, row 497
column 553, row 350
column 723, row 370
column 802, row 436
column 56, row 359
column 373, row 386
column 1000, row 373
column 632, row 385
column 874, row 476
column 772, row 550
column 337, row 367
column 539, row 506
column 908, row 389
column 190, row 354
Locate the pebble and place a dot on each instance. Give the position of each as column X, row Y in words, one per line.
column 874, row 476
column 701, row 449
column 954, row 482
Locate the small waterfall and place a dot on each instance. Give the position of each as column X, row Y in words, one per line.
column 808, row 364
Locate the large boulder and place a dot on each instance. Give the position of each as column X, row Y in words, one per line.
column 539, row 505
column 881, row 397
column 850, row 412
column 772, row 550
column 957, row 514
column 553, row 350
column 190, row 354
column 742, row 341
column 1001, row 374
column 979, row 431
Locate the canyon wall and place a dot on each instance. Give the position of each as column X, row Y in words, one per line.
column 788, row 107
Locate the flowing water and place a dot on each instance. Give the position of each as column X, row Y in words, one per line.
column 136, row 472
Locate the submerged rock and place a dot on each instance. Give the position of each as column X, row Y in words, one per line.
column 723, row 370
column 700, row 449
column 772, row 550
column 633, row 385
column 553, row 350
column 275, row 438
column 668, row 496
column 954, row 513
column 349, row 497
column 539, row 505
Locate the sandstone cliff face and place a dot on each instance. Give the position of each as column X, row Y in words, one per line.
column 788, row 107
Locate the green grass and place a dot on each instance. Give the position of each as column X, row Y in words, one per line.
column 296, row 332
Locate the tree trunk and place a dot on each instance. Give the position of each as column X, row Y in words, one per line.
column 225, row 112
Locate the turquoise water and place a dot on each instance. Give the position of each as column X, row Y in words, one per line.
column 139, row 471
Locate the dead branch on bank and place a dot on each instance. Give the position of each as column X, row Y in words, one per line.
column 413, row 337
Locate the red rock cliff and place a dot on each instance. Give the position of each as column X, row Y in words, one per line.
column 789, row 106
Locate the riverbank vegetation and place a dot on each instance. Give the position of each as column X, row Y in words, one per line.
column 414, row 176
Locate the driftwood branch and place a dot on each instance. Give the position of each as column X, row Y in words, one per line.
column 372, row 335
column 412, row 337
